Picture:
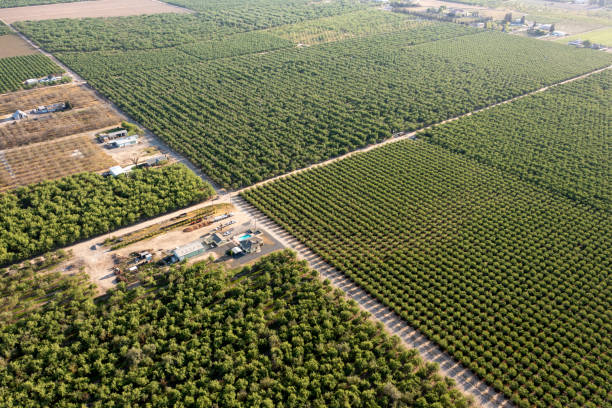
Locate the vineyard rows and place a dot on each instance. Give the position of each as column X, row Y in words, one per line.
column 512, row 280
column 41, row 217
column 559, row 139
column 15, row 70
column 248, row 118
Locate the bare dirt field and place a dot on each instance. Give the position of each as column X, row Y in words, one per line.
column 13, row 46
column 41, row 128
column 78, row 95
column 51, row 160
column 99, row 8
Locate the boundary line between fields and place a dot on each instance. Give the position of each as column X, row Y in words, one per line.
column 466, row 381
column 412, row 135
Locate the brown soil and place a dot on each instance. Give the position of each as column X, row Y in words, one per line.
column 51, row 160
column 99, row 8
column 13, row 46
column 41, row 128
column 78, row 95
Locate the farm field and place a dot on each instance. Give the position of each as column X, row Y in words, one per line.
column 325, row 100
column 558, row 139
column 41, row 217
column 46, row 127
column 13, row 46
column 270, row 13
column 212, row 338
column 25, row 3
column 126, row 33
column 85, row 9
column 509, row 278
column 351, row 25
column 78, row 95
column 51, row 160
column 601, row 36
column 15, row 70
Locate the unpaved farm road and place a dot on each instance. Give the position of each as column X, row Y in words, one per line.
column 484, row 395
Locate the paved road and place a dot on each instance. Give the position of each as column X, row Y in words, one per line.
column 467, row 381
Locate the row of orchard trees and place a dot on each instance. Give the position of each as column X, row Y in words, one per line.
column 559, row 139
column 508, row 278
column 15, row 70
column 248, row 118
column 41, row 217
column 277, row 337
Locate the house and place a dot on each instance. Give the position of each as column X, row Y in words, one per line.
column 187, row 251
column 215, row 240
column 125, row 141
column 154, row 161
column 50, row 78
column 251, row 245
column 558, row 34
column 457, row 13
column 18, row 115
column 576, row 43
column 31, row 82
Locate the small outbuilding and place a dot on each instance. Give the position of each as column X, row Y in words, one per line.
column 125, row 141
column 18, row 115
column 187, row 251
column 116, row 170
column 236, row 251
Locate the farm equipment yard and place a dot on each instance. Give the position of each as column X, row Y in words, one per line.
column 116, row 257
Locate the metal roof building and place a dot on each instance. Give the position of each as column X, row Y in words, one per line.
column 188, row 251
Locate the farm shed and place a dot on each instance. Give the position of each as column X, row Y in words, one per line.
column 116, row 170
column 18, row 115
column 188, row 251
column 125, row 141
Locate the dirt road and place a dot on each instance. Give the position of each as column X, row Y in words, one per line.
column 467, row 382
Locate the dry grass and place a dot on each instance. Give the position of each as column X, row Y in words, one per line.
column 78, row 95
column 13, row 46
column 100, row 8
column 51, row 160
column 41, row 128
